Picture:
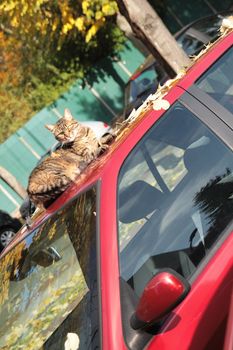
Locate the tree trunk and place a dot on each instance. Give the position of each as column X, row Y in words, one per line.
column 12, row 182
column 149, row 28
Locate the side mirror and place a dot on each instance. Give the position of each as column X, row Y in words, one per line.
column 160, row 296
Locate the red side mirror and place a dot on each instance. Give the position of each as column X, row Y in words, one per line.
column 161, row 295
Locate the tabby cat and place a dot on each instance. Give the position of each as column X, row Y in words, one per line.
column 79, row 147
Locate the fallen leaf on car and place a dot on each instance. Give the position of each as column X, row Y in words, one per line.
column 161, row 104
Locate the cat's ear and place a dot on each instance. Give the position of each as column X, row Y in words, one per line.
column 50, row 127
column 67, row 114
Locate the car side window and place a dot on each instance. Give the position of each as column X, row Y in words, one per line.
column 217, row 82
column 172, row 210
column 49, row 283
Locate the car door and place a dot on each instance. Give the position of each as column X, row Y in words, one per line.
column 162, row 182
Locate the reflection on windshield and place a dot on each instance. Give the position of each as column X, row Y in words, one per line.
column 215, row 202
column 217, row 82
column 46, row 279
column 175, row 198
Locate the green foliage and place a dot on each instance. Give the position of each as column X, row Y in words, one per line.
column 55, row 43
column 14, row 111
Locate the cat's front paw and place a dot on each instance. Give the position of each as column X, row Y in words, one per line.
column 104, row 147
column 106, row 138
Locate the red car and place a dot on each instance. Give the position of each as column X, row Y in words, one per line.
column 137, row 254
column 192, row 39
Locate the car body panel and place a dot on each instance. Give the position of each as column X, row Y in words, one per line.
column 205, row 304
column 228, row 343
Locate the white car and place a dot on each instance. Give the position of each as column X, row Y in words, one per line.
column 99, row 128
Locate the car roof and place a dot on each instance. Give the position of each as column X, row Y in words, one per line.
column 95, row 170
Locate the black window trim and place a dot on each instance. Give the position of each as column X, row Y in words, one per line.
column 219, row 110
column 222, row 113
column 209, row 118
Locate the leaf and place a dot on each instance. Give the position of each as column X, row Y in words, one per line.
column 160, row 104
column 72, row 341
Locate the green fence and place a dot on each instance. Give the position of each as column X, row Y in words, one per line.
column 101, row 100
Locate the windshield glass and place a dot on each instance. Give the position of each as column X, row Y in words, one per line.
column 217, row 82
column 49, row 283
column 175, row 198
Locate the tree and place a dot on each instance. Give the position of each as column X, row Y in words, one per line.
column 45, row 45
column 149, row 28
column 50, row 31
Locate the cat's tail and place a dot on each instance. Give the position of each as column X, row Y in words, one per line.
column 48, row 192
column 49, row 180
column 49, row 187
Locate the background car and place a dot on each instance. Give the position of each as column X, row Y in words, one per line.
column 137, row 253
column 99, row 128
column 8, row 228
column 192, row 38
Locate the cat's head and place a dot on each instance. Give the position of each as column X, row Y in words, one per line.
column 66, row 129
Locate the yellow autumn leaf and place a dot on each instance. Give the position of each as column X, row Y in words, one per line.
column 94, row 29
column 79, row 23
column 98, row 15
column 85, row 5
column 15, row 22
column 8, row 6
column 71, row 20
column 106, row 9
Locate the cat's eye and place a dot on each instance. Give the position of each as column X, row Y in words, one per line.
column 60, row 133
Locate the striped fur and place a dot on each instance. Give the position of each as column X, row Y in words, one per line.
column 53, row 175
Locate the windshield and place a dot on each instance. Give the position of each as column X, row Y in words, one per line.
column 49, row 283
column 217, row 82
column 174, row 198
